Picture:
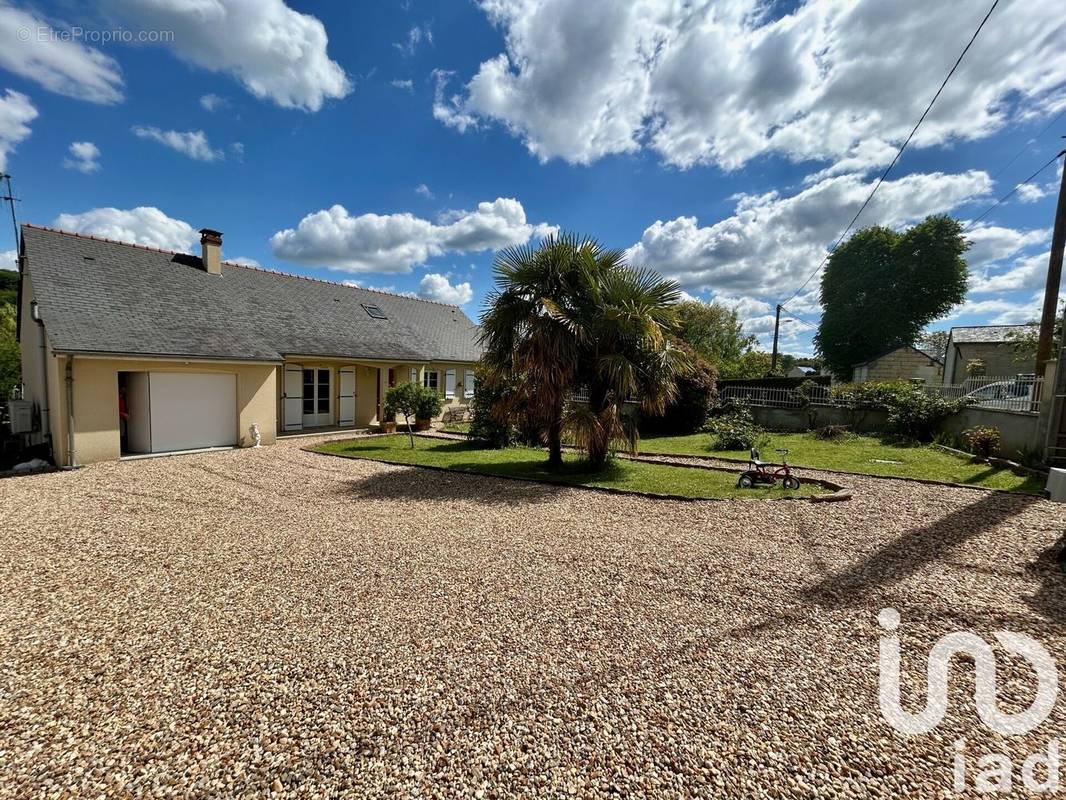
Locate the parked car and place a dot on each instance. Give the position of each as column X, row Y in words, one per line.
column 1011, row 395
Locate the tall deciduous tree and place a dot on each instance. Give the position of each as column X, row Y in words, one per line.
column 882, row 287
column 714, row 331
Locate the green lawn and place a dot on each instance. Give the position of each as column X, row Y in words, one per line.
column 863, row 454
column 456, row 427
column 531, row 464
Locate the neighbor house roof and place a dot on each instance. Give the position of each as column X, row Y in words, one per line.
column 931, row 355
column 101, row 296
column 987, row 334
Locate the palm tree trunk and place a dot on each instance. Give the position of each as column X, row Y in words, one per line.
column 555, row 436
column 600, row 442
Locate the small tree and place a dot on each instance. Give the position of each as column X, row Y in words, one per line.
column 975, row 367
column 404, row 399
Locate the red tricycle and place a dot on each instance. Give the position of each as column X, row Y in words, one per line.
column 764, row 472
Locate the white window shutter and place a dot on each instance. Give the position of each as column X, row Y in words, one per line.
column 414, row 375
column 449, row 384
column 469, row 382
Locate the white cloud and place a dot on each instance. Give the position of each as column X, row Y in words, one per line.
column 424, row 191
column 193, row 144
column 1028, row 272
column 449, row 110
column 32, row 49
column 406, row 85
column 1031, row 192
column 275, row 52
column 212, row 102
column 772, row 243
column 727, row 81
column 396, row 242
column 1001, row 311
column 9, row 259
column 415, row 37
column 991, row 243
column 16, row 114
column 437, row 287
column 84, row 157
column 142, row 225
column 244, row 261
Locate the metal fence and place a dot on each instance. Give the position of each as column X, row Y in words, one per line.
column 1005, row 393
column 1019, row 393
column 775, row 397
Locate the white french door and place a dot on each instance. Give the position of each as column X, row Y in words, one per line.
column 292, row 400
column 346, row 396
column 317, row 396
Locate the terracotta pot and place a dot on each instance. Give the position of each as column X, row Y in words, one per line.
column 422, row 424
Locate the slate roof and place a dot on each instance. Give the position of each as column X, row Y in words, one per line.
column 101, row 296
column 987, row 334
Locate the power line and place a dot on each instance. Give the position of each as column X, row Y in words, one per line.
column 1027, row 146
column 888, row 169
column 1008, row 195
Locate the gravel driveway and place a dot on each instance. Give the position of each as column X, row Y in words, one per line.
column 278, row 622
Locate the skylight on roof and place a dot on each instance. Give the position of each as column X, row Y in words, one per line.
column 374, row 311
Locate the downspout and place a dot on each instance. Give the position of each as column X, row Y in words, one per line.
column 46, row 426
column 71, row 461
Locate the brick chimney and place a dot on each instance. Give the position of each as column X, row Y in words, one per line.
column 211, row 246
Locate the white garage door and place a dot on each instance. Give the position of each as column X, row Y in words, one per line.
column 193, row 409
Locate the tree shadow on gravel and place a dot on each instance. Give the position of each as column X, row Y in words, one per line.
column 1050, row 568
column 915, row 549
column 419, row 483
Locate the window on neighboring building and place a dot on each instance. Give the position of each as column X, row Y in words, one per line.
column 431, row 379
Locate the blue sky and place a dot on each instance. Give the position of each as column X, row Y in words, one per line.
column 397, row 145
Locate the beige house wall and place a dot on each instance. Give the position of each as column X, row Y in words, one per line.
column 901, row 364
column 94, row 389
column 998, row 357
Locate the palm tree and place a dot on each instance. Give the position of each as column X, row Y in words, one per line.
column 571, row 314
column 624, row 330
column 522, row 335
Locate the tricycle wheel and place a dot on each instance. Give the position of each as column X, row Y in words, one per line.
column 791, row 482
column 745, row 481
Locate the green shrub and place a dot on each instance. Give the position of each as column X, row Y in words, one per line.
column 913, row 414
column 696, row 394
column 411, row 400
column 832, row 433
column 983, row 440
column 498, row 415
column 428, row 404
column 734, row 430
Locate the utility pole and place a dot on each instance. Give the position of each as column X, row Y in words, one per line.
column 1054, row 278
column 11, row 200
column 777, row 327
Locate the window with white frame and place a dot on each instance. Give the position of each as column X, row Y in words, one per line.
column 469, row 383
column 449, row 384
column 414, row 375
column 431, row 379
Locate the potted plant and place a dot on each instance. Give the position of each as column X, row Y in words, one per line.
column 388, row 413
column 427, row 405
